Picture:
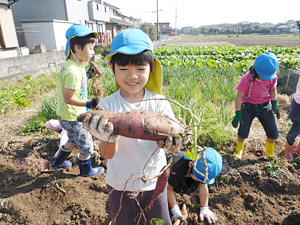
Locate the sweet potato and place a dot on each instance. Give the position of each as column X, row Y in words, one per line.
column 140, row 124
column 159, row 188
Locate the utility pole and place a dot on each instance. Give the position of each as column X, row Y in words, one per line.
column 157, row 20
column 176, row 21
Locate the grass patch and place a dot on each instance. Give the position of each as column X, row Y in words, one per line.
column 25, row 91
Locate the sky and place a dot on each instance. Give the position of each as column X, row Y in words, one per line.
column 195, row 13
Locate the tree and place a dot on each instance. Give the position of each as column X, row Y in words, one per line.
column 149, row 29
column 298, row 25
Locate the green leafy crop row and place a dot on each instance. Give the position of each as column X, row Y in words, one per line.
column 226, row 56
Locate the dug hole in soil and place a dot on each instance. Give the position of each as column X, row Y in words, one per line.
column 253, row 190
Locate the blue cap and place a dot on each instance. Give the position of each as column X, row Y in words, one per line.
column 76, row 30
column 132, row 42
column 214, row 163
column 266, row 65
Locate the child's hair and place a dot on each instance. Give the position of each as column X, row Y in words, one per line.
column 82, row 41
column 253, row 73
column 145, row 56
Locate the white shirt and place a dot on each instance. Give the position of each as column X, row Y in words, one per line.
column 135, row 156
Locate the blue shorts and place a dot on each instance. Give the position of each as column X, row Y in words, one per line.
column 129, row 208
column 78, row 136
column 265, row 115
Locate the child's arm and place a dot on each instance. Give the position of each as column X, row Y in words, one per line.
column 70, row 99
column 203, row 194
column 171, row 196
column 273, row 96
column 273, row 93
column 173, row 205
column 238, row 104
column 205, row 212
column 238, row 100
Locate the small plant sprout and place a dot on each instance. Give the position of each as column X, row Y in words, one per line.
column 273, row 169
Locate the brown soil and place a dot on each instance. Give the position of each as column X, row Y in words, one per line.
column 244, row 193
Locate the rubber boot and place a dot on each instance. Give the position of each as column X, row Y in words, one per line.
column 288, row 152
column 297, row 149
column 239, row 150
column 85, row 167
column 60, row 160
column 270, row 149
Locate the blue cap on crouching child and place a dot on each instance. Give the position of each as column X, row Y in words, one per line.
column 132, row 42
column 76, row 30
column 266, row 65
column 214, row 164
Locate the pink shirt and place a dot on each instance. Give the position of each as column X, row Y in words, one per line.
column 260, row 92
column 297, row 94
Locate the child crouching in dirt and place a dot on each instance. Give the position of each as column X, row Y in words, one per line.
column 184, row 179
column 138, row 77
column 257, row 97
column 294, row 131
column 72, row 100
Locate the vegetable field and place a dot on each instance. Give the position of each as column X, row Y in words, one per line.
column 226, row 56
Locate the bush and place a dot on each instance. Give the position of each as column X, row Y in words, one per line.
column 102, row 49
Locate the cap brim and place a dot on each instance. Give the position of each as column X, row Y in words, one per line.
column 201, row 179
column 266, row 77
column 128, row 50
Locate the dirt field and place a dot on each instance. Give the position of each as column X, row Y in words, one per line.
column 247, row 191
column 241, row 40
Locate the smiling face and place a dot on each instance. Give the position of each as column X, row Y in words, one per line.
column 132, row 80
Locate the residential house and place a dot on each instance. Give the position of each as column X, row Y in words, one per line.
column 9, row 46
column 165, row 31
column 46, row 21
column 245, row 27
column 280, row 29
column 294, row 28
column 117, row 22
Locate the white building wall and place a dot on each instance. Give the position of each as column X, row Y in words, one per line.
column 77, row 11
column 97, row 12
column 60, row 29
column 49, row 33
column 8, row 28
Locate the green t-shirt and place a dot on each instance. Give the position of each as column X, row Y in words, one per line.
column 71, row 76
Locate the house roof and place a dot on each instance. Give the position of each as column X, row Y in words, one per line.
column 283, row 26
column 111, row 6
column 120, row 22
